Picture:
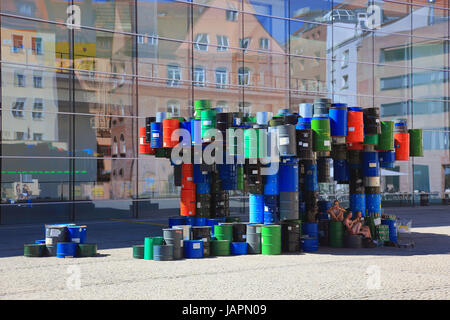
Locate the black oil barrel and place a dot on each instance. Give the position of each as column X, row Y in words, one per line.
column 372, row 124
column 290, row 236
column 203, row 233
column 372, row 190
column 289, row 205
column 203, row 205
column 323, row 170
column 304, row 144
column 177, row 176
column 239, row 232
column 175, row 238
column 53, row 234
column 253, row 238
column 324, row 232
column 356, row 183
column 339, row 151
column 353, row 241
column 355, row 157
column 291, row 119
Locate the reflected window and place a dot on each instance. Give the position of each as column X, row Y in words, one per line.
column 201, row 42
column 19, row 135
column 232, row 15
column 19, row 79
column 222, row 104
column 115, row 147
column 344, row 82
column 37, row 136
column 245, row 107
column 38, row 107
column 18, row 107
column 37, row 79
column 264, row 43
column 199, row 76
column 244, row 76
column 123, row 147
column 173, row 107
column 221, row 78
column 17, row 43
column 245, row 43
column 222, row 43
column 173, row 74
column 36, row 46
column 345, row 57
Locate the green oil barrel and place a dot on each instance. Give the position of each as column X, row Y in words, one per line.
column 223, row 231
column 337, row 231
column 415, row 142
column 200, row 105
column 321, row 133
column 138, row 252
column 208, row 118
column 34, row 250
column 86, row 250
column 382, row 232
column 220, row 247
column 250, row 119
column 251, row 143
column 386, row 139
column 372, row 139
column 240, row 177
column 271, row 239
column 149, row 242
column 160, row 153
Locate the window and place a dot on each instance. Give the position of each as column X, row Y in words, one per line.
column 222, row 43
column 302, row 65
column 17, row 43
column 344, row 82
column 199, row 76
column 232, row 15
column 115, row 148
column 201, row 42
column 37, row 80
column 37, row 136
column 244, row 76
column 36, row 46
column 173, row 74
column 123, row 147
column 245, row 43
column 17, row 109
column 173, row 107
column 19, row 79
column 245, row 107
column 345, row 57
column 264, row 44
column 20, row 135
column 38, row 106
column 221, row 78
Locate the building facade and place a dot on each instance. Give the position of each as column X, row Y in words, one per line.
column 78, row 78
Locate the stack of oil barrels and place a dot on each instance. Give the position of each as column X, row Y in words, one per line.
column 62, row 241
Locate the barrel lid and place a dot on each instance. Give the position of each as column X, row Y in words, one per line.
column 338, row 105
column 357, row 109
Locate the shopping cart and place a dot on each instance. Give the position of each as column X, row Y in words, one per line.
column 404, row 227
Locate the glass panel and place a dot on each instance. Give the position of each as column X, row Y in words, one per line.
column 56, row 10
column 111, row 15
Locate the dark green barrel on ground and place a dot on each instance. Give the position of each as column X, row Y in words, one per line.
column 86, row 250
column 271, row 239
column 34, row 250
column 386, row 138
column 223, row 231
column 138, row 252
column 337, row 231
column 415, row 142
column 149, row 242
column 220, row 247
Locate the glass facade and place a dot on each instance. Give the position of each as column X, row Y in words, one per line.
column 78, row 78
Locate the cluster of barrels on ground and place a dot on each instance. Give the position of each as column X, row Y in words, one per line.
column 62, row 241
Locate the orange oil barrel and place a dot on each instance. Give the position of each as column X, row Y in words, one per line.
column 401, row 143
column 169, row 126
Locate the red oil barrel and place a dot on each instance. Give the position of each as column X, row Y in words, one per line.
column 144, row 147
column 355, row 146
column 401, row 143
column 187, row 203
column 187, row 176
column 355, row 127
column 169, row 126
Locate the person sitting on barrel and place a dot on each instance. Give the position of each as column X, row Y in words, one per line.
column 356, row 226
column 336, row 212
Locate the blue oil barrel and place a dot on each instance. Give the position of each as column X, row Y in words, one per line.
column 338, row 119
column 200, row 176
column 238, row 248
column 177, row 221
column 311, row 181
column 323, row 205
column 77, row 234
column 289, row 175
column 392, row 228
column 340, row 170
column 196, row 132
column 310, row 229
column 66, row 249
column 305, row 110
column 358, row 203
column 228, row 175
column 156, row 135
column 301, row 208
column 193, row 249
column 263, row 117
column 373, row 203
column 200, row 221
column 357, row 109
column 310, row 244
column 186, row 126
column 271, row 184
column 371, row 164
column 203, row 188
column 271, row 208
column 189, row 220
column 303, row 123
column 256, row 208
column 387, row 159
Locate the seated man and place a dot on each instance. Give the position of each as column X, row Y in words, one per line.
column 336, row 212
column 355, row 226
